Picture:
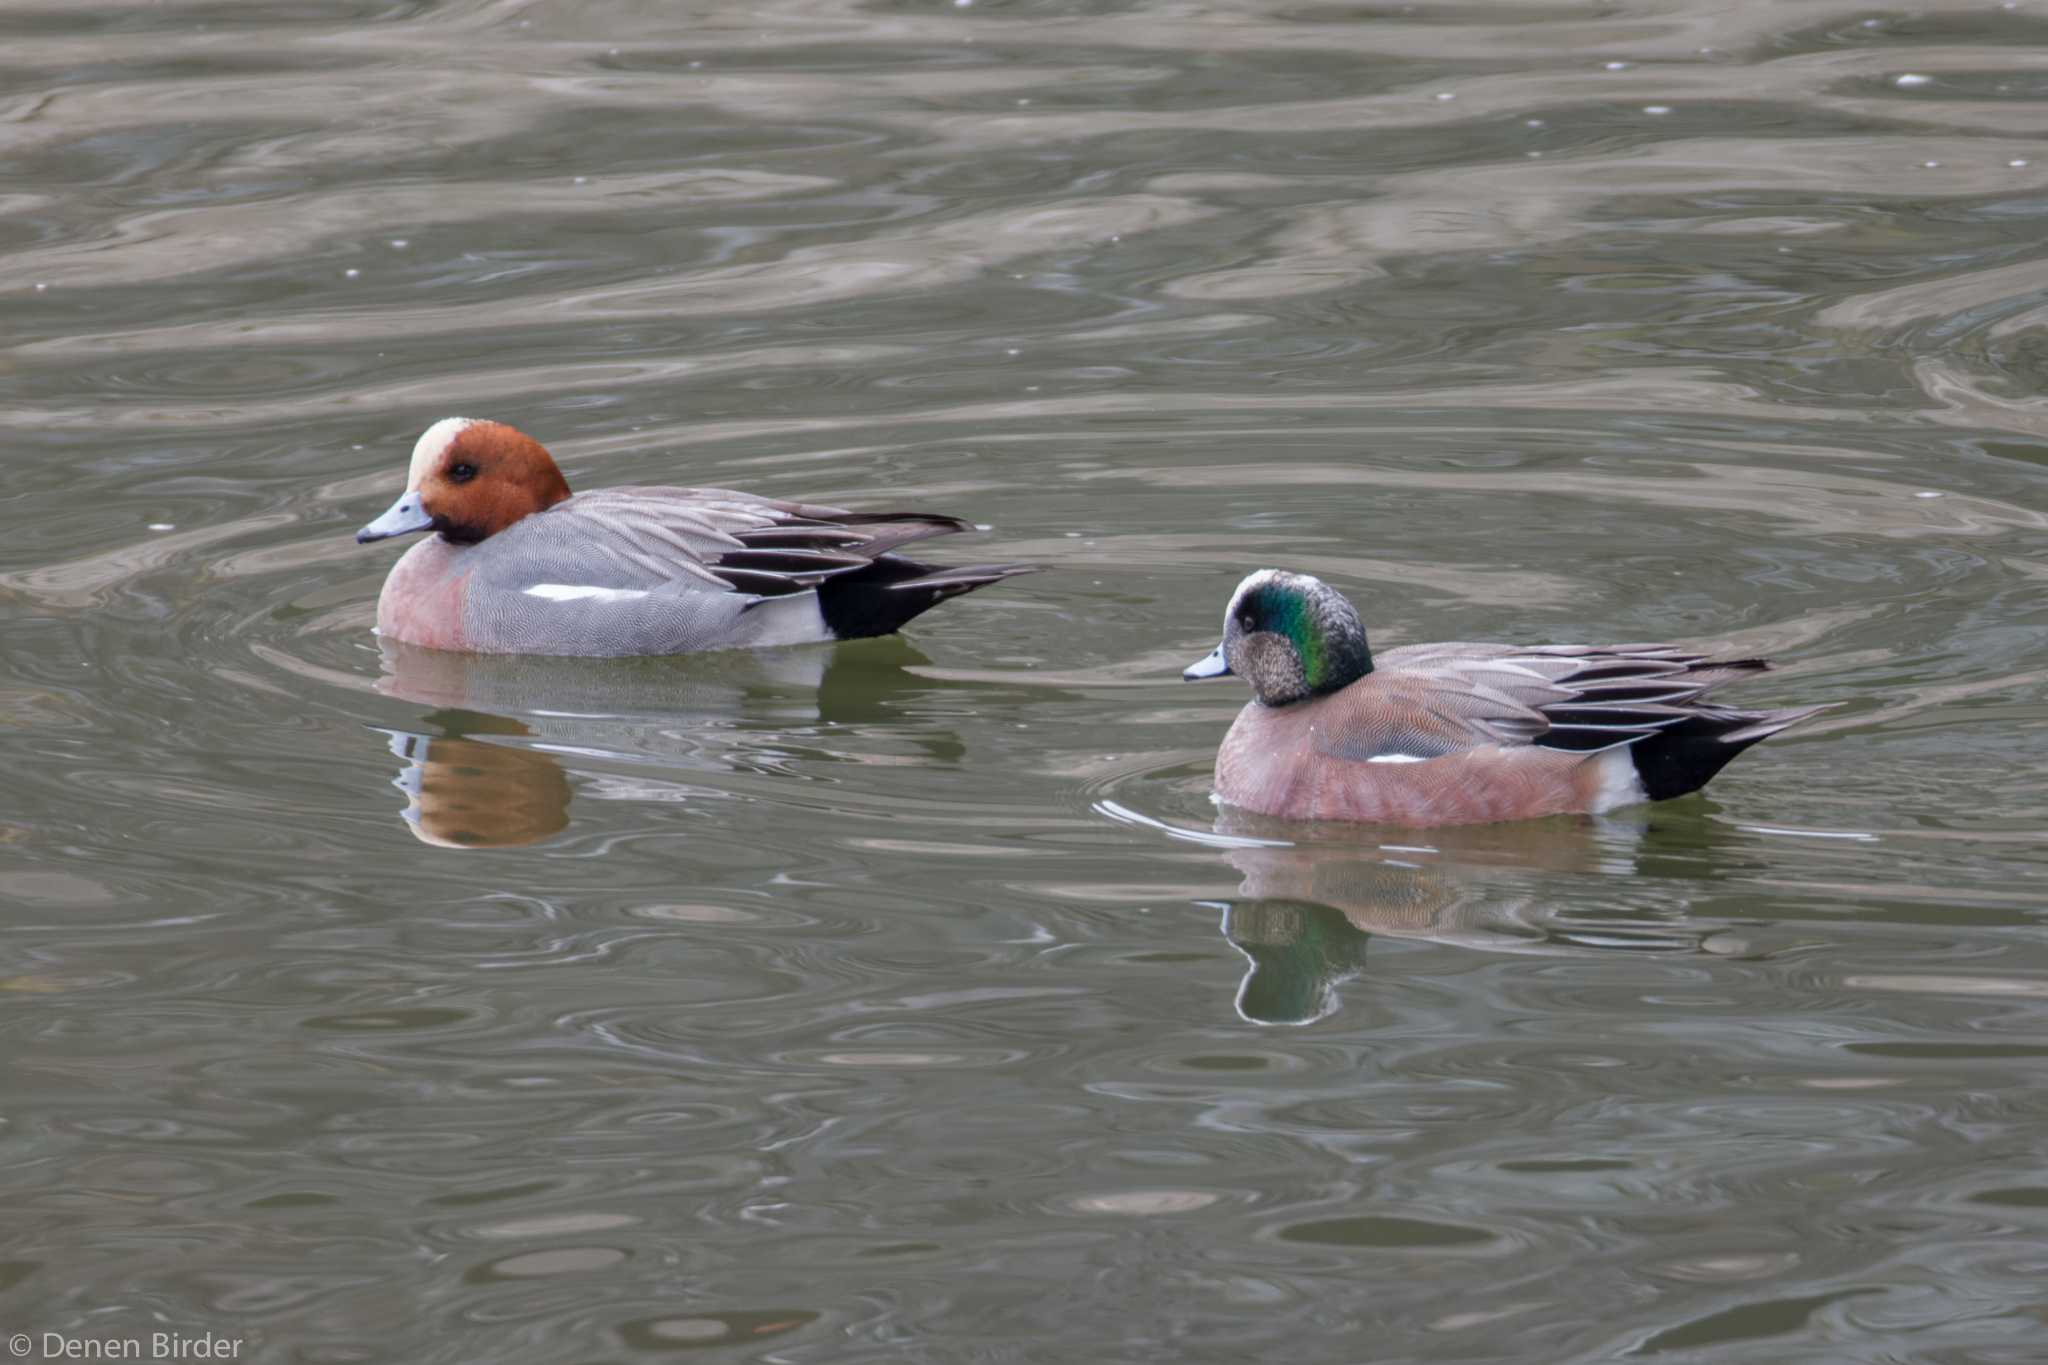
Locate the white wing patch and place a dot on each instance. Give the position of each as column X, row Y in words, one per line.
column 575, row 592
column 1396, row 758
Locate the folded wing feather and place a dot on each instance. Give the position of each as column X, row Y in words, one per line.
column 1440, row 699
column 718, row 540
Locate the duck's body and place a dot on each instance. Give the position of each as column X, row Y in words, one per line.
column 1460, row 733
column 519, row 565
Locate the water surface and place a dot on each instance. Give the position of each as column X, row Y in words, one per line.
column 909, row 999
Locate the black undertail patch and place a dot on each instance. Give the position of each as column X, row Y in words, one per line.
column 1684, row 757
column 880, row 598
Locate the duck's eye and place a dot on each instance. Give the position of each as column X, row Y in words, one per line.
column 461, row 473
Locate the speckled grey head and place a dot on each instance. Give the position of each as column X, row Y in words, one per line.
column 1291, row 636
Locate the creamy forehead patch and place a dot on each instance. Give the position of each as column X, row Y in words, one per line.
column 432, row 445
column 1259, row 578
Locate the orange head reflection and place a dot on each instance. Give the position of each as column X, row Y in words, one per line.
column 473, row 793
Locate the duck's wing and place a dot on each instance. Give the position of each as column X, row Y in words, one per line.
column 1424, row 701
column 715, row 539
column 670, row 570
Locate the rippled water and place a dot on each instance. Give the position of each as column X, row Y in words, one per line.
column 909, row 1000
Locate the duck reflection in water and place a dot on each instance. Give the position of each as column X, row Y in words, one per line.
column 1306, row 910
column 482, row 776
column 474, row 793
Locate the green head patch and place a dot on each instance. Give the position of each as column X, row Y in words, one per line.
column 1292, row 636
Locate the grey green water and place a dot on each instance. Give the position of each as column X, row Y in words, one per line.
column 909, row 1000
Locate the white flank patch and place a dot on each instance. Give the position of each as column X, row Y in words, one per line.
column 1395, row 758
column 572, row 592
column 795, row 619
column 1619, row 785
column 432, row 445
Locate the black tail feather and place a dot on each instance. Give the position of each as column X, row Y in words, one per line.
column 879, row 599
column 1684, row 757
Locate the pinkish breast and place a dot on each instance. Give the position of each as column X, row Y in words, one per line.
column 423, row 597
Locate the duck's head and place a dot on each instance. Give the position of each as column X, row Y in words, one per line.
column 1291, row 636
column 470, row 480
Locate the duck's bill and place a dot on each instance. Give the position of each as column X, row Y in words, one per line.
column 405, row 517
column 1215, row 666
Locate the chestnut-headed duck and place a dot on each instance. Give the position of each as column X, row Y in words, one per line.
column 517, row 564
column 1459, row 733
